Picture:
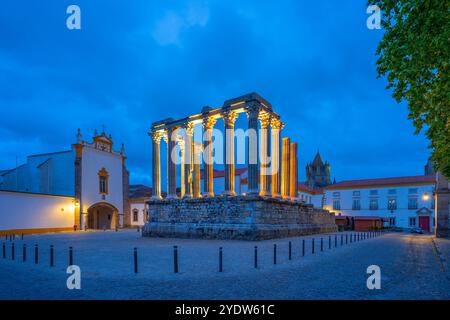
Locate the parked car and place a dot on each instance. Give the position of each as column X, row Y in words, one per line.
column 417, row 230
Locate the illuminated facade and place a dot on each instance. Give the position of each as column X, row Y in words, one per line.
column 91, row 174
column 403, row 202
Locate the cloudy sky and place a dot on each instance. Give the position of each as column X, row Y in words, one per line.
column 138, row 61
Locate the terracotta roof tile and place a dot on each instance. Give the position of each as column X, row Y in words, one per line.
column 409, row 180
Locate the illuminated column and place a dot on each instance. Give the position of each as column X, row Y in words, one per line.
column 208, row 161
column 196, row 165
column 276, row 126
column 229, row 119
column 171, row 164
column 156, row 164
column 293, row 171
column 264, row 155
column 285, row 180
column 252, row 149
column 182, row 147
column 188, row 159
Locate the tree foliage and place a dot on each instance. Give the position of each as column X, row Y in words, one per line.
column 414, row 55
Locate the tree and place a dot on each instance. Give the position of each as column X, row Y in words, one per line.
column 414, row 55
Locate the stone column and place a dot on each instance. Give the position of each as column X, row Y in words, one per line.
column 276, row 126
column 188, row 159
column 285, row 180
column 264, row 155
column 171, row 164
column 293, row 170
column 229, row 119
column 156, row 164
column 208, row 161
column 182, row 184
column 196, row 165
column 252, row 149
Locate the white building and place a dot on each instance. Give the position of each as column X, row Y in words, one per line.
column 403, row 202
column 84, row 187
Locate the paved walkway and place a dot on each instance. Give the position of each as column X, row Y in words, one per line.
column 412, row 267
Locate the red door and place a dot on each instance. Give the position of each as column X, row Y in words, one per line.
column 424, row 223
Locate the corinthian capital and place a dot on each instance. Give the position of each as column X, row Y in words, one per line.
column 189, row 128
column 157, row 135
column 276, row 124
column 265, row 119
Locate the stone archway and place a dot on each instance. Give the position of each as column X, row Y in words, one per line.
column 102, row 216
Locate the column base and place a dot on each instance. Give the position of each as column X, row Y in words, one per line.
column 229, row 193
column 172, row 196
column 265, row 194
column 156, row 198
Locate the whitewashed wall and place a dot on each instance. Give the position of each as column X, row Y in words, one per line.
column 34, row 211
column 140, row 207
column 401, row 214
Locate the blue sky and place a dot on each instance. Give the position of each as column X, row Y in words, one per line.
column 135, row 62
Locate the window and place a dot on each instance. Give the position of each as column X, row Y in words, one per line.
column 412, row 203
column 392, row 221
column 412, row 221
column 336, row 205
column 373, row 204
column 356, row 204
column 373, row 192
column 103, row 177
column 356, row 193
column 412, row 191
column 392, row 204
column 135, row 215
column 392, row 191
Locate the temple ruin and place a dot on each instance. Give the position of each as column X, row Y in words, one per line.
column 269, row 209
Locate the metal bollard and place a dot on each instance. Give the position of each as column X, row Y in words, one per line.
column 220, row 259
column 52, row 262
column 256, row 257
column 313, row 246
column 342, row 239
column 135, row 260
column 36, row 254
column 321, row 244
column 351, row 236
column 303, row 248
column 4, row 250
column 274, row 254
column 329, row 242
column 70, row 256
column 22, row 236
column 24, row 253
column 290, row 250
column 335, row 240
column 175, row 259
column 13, row 252
column 346, row 238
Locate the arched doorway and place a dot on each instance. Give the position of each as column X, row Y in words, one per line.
column 102, row 216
